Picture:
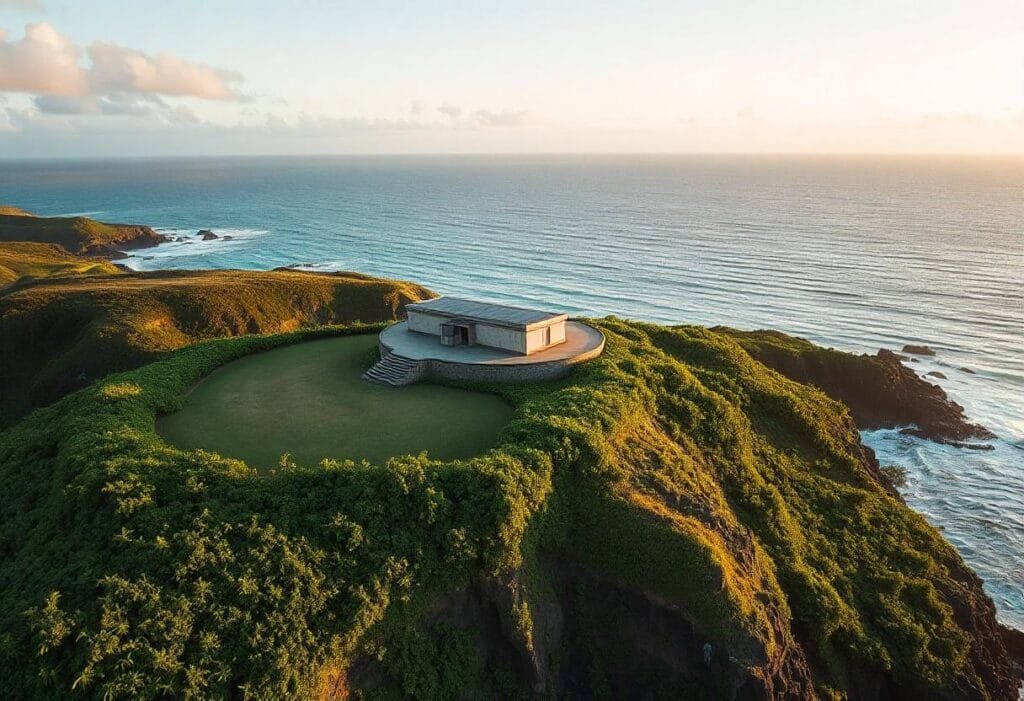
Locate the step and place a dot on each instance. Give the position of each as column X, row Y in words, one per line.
column 392, row 370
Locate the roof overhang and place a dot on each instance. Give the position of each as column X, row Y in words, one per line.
column 488, row 314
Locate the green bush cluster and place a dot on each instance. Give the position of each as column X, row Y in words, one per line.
column 673, row 465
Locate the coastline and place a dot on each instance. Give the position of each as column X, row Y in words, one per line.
column 910, row 404
column 815, row 366
column 968, row 472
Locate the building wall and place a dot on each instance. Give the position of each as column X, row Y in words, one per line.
column 501, row 337
column 424, row 323
column 535, row 338
column 492, row 336
column 469, row 372
column 558, row 333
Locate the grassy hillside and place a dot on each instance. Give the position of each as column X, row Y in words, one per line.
column 79, row 235
column 20, row 259
column 57, row 335
column 674, row 521
column 14, row 211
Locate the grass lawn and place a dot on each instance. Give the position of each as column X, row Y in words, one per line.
column 310, row 401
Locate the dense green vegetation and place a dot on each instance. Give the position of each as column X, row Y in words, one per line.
column 59, row 334
column 310, row 401
column 24, row 261
column 672, row 491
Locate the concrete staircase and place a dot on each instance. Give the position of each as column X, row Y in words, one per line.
column 394, row 370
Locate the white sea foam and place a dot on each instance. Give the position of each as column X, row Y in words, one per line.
column 80, row 214
column 330, row 266
column 188, row 244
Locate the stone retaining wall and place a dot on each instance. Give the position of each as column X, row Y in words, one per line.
column 480, row 372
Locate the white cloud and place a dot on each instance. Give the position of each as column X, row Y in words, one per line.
column 117, row 103
column 181, row 114
column 116, row 68
column 22, row 5
column 505, row 118
column 44, row 62
column 61, row 104
column 319, row 126
column 449, row 110
column 5, row 122
column 482, row 117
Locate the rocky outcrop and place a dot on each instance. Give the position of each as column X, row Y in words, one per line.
column 918, row 350
column 208, row 235
column 128, row 238
column 595, row 636
column 647, row 647
column 592, row 636
column 78, row 235
column 1013, row 641
column 879, row 390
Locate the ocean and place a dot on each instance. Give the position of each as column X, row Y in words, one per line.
column 856, row 253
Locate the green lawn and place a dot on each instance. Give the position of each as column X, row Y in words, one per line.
column 309, row 400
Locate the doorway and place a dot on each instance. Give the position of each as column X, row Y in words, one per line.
column 455, row 334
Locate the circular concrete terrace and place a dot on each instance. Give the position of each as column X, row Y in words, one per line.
column 481, row 363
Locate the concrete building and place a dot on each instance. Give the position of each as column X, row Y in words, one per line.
column 464, row 322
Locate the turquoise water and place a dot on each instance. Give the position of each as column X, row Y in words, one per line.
column 856, row 253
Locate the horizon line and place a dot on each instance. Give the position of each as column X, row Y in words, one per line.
column 493, row 154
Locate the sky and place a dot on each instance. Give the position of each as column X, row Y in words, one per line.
column 81, row 78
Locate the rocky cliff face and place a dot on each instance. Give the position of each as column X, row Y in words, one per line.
column 79, row 235
column 879, row 390
column 126, row 237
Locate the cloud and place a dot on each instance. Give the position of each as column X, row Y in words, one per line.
column 747, row 114
column 44, row 62
column 115, row 68
column 115, row 104
column 6, row 124
column 22, row 5
column 505, row 118
column 416, row 107
column 316, row 126
column 59, row 104
column 483, row 117
column 449, row 110
column 181, row 114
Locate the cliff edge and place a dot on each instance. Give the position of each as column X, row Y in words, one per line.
column 880, row 390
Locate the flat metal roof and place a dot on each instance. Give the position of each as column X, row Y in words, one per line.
column 487, row 312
